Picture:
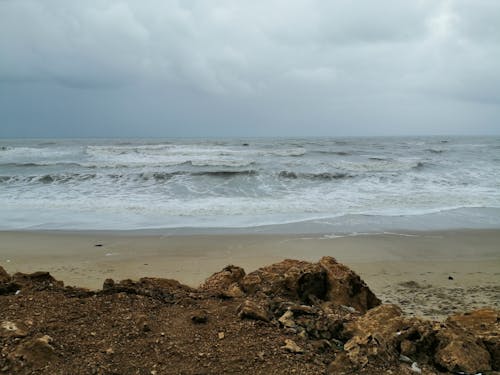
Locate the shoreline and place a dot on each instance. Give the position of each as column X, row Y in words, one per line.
column 411, row 268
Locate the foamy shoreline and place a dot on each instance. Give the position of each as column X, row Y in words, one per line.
column 412, row 269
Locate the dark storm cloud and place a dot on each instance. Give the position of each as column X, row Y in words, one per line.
column 252, row 68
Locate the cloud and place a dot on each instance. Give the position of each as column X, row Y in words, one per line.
column 261, row 50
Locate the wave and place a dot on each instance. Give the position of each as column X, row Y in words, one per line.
column 314, row 176
column 434, row 151
column 338, row 153
column 42, row 164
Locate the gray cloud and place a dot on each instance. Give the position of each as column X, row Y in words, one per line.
column 252, row 68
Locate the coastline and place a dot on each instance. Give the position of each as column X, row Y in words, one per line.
column 429, row 273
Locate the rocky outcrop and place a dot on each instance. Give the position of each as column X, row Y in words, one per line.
column 306, row 282
column 36, row 281
column 485, row 325
column 383, row 336
column 166, row 290
column 225, row 282
column 314, row 312
column 4, row 276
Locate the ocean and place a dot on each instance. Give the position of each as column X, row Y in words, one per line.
column 337, row 185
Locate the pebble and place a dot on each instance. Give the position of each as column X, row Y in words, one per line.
column 221, row 335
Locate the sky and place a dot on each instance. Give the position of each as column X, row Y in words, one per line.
column 199, row 68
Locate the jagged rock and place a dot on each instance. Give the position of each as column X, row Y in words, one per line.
column 459, row 351
column 199, row 317
column 36, row 352
column 345, row 287
column 221, row 281
column 36, row 281
column 166, row 290
column 233, row 291
column 292, row 347
column 4, row 276
column 309, row 283
column 108, row 284
column 12, row 329
column 484, row 324
column 253, row 310
column 287, row 319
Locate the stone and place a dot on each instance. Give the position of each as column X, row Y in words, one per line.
column 36, row 352
column 459, row 351
column 199, row 317
column 4, row 276
column 484, row 324
column 12, row 329
column 345, row 287
column 292, row 347
column 36, row 281
column 311, row 283
column 221, row 335
column 287, row 320
column 233, row 291
column 253, row 310
column 221, row 281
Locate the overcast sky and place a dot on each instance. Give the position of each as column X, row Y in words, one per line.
column 249, row 68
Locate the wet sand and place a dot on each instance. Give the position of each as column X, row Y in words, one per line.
column 428, row 273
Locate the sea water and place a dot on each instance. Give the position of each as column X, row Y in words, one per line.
column 347, row 184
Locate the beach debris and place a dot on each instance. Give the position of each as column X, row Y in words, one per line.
column 221, row 335
column 405, row 359
column 415, row 368
column 98, row 245
column 199, row 317
column 292, row 347
column 253, row 310
column 450, row 277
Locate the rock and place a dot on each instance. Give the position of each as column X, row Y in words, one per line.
column 292, row 347
column 199, row 317
column 12, row 329
column 221, row 335
column 221, row 281
column 459, row 351
column 4, row 276
column 287, row 320
column 36, row 281
column 484, row 324
column 165, row 290
column 233, row 291
column 253, row 310
column 108, row 284
column 36, row 352
column 345, row 287
column 311, row 283
column 415, row 368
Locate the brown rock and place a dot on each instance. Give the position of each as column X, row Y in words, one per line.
column 12, row 329
column 292, row 347
column 222, row 280
column 4, row 276
column 309, row 283
column 199, row 317
column 253, row 310
column 345, row 287
column 36, row 352
column 484, row 324
column 36, row 281
column 459, row 351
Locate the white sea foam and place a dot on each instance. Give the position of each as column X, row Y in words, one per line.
column 119, row 184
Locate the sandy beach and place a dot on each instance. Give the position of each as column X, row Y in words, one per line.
column 427, row 273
